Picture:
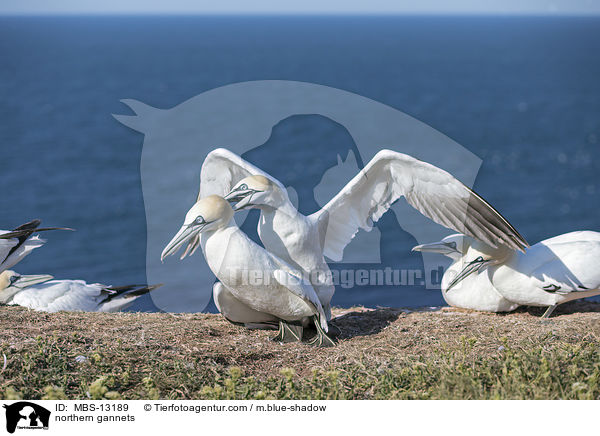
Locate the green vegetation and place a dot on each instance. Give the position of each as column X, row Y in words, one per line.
column 50, row 368
column 381, row 354
column 571, row 372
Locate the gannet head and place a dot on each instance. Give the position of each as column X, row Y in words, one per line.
column 453, row 246
column 473, row 254
column 254, row 191
column 208, row 214
column 12, row 282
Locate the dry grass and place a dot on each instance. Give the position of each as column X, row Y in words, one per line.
column 382, row 353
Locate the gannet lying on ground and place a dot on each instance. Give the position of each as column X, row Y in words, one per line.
column 472, row 291
column 551, row 272
column 252, row 275
column 40, row 292
column 303, row 241
column 17, row 243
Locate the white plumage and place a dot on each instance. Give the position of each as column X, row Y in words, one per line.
column 17, row 243
column 237, row 312
column 549, row 273
column 304, row 241
column 44, row 294
column 265, row 284
column 475, row 290
column 12, row 252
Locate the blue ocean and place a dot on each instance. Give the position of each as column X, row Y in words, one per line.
column 521, row 93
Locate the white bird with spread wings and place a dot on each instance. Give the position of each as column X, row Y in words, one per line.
column 304, row 241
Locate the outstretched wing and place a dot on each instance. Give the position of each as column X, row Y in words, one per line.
column 222, row 169
column 431, row 190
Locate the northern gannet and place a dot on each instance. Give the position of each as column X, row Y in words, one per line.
column 475, row 290
column 40, row 292
column 17, row 243
column 303, row 241
column 549, row 273
column 254, row 276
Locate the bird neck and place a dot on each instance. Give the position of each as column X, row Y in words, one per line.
column 224, row 227
column 477, row 260
column 279, row 204
column 7, row 294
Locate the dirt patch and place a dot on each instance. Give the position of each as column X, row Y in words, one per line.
column 176, row 355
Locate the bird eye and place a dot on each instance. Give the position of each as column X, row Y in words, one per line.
column 13, row 279
column 243, row 187
column 199, row 220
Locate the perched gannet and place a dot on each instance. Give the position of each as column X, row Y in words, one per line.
column 549, row 273
column 17, row 243
column 303, row 241
column 255, row 277
column 475, row 290
column 40, row 292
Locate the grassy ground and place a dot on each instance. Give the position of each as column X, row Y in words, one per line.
column 384, row 353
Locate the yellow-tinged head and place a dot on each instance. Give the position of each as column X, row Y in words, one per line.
column 208, row 214
column 256, row 191
column 12, row 282
column 211, row 209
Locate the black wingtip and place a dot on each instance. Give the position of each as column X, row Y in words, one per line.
column 45, row 229
column 33, row 224
column 23, row 232
column 515, row 240
column 129, row 291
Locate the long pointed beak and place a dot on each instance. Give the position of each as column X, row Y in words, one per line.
column 185, row 233
column 435, row 247
column 30, row 280
column 469, row 269
column 236, row 198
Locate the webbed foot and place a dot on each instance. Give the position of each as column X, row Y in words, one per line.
column 288, row 333
column 321, row 339
column 548, row 312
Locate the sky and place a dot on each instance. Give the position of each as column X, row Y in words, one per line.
column 518, row 7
